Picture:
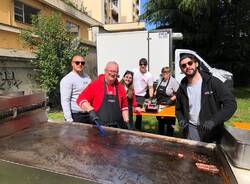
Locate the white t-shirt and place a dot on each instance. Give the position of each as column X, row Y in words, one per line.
column 142, row 81
column 194, row 98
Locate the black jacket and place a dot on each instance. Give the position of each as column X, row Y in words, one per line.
column 217, row 104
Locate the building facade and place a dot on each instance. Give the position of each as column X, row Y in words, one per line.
column 111, row 11
column 16, row 72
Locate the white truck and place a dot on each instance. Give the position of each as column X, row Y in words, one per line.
column 126, row 48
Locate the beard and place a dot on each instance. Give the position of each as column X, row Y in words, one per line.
column 192, row 74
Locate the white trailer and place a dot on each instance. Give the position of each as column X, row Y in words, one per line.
column 126, row 48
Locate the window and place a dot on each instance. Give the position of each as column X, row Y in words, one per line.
column 73, row 28
column 23, row 13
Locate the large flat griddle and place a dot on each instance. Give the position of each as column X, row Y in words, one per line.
column 49, row 152
column 120, row 157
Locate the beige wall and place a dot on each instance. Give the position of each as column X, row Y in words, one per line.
column 126, row 11
column 7, row 18
column 131, row 26
column 95, row 8
column 5, row 12
column 11, row 40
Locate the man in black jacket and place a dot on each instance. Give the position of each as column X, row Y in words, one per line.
column 203, row 104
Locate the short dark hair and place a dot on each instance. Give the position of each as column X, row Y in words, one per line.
column 143, row 61
column 190, row 56
column 76, row 54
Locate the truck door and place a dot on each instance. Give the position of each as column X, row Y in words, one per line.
column 126, row 48
column 159, row 53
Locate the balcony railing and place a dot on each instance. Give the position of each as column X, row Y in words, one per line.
column 114, row 21
column 115, row 6
column 115, row 3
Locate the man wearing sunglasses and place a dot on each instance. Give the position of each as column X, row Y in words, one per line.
column 203, row 103
column 143, row 81
column 70, row 87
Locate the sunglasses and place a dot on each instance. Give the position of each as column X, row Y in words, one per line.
column 142, row 64
column 79, row 62
column 187, row 64
column 165, row 72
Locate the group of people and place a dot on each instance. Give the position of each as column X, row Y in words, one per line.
column 202, row 101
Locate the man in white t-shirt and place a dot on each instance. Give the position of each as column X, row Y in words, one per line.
column 143, row 81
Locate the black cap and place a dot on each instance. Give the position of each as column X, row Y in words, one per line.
column 191, row 56
column 143, row 61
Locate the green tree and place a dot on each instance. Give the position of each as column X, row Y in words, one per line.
column 54, row 46
column 195, row 19
column 217, row 29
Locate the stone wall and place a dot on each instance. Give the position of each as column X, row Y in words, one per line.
column 91, row 62
column 16, row 75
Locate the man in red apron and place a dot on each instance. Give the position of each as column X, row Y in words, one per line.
column 105, row 99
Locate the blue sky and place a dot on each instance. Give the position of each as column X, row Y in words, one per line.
column 141, row 8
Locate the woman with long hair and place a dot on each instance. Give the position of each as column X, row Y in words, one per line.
column 127, row 82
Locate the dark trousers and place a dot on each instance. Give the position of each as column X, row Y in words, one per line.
column 81, row 117
column 169, row 121
column 138, row 122
column 192, row 133
column 140, row 101
column 130, row 117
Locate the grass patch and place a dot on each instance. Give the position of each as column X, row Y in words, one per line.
column 243, row 106
column 56, row 115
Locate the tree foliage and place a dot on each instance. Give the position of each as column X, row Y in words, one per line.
column 54, row 46
column 218, row 29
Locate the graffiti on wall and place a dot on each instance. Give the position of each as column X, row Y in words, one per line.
column 8, row 80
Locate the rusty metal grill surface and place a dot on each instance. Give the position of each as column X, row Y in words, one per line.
column 119, row 157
